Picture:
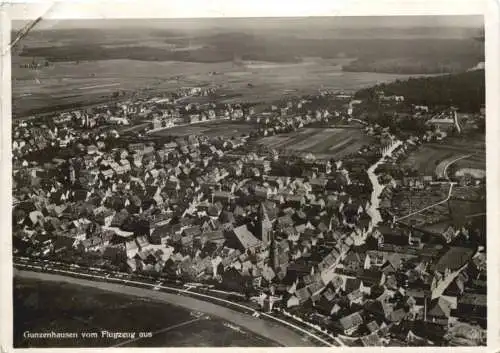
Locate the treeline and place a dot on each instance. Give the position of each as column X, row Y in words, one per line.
column 465, row 90
column 412, row 66
column 413, row 55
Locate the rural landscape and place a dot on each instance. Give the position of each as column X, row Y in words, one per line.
column 269, row 182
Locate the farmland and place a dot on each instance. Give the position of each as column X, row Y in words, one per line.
column 323, row 143
column 431, row 158
column 78, row 66
column 211, row 129
column 70, row 84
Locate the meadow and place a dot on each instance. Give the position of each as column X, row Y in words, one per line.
column 88, row 61
column 323, row 143
column 430, row 158
column 61, row 307
column 74, row 84
column 222, row 128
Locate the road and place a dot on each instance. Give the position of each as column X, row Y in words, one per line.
column 430, row 206
column 441, row 169
column 285, row 334
column 373, row 210
column 359, row 121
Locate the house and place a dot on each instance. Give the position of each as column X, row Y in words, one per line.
column 295, row 201
column 318, row 184
column 354, row 261
column 355, row 297
column 170, row 147
column 350, row 323
column 373, row 326
column 241, row 238
column 351, row 284
column 191, row 232
column 371, row 277
column 372, row 340
column 381, row 309
column 397, row 315
column 453, row 259
column 216, row 237
column 91, row 244
column 303, row 294
column 285, row 222
column 232, row 280
column 142, row 242
column 439, row 310
column 116, row 254
column 472, row 307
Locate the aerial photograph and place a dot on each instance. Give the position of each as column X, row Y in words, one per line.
column 249, row 182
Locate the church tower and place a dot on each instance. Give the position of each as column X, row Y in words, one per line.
column 274, row 254
column 264, row 226
column 72, row 172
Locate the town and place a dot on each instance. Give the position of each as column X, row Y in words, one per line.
column 188, row 187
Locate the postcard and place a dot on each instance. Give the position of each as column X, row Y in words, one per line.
column 267, row 175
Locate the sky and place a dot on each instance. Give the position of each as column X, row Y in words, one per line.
column 333, row 21
column 259, row 8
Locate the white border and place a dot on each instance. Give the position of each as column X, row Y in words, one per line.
column 256, row 8
column 225, row 8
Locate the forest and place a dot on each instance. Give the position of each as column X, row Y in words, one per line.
column 466, row 91
column 388, row 55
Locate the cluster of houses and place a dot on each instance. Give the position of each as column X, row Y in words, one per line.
column 208, row 210
column 62, row 129
column 27, row 138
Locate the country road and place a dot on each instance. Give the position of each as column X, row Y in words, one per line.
column 430, row 206
column 442, row 168
column 275, row 332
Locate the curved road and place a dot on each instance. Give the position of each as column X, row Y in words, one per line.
column 373, row 210
column 442, row 168
column 277, row 333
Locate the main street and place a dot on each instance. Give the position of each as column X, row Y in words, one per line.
column 373, row 210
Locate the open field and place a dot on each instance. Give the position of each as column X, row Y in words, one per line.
column 68, row 83
column 41, row 306
column 432, row 158
column 207, row 333
column 323, row 143
column 465, row 203
column 211, row 128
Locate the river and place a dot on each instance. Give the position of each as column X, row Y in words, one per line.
column 129, row 318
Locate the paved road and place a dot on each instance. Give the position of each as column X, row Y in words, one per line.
column 277, row 333
column 373, row 211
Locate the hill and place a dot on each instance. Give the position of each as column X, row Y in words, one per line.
column 465, row 90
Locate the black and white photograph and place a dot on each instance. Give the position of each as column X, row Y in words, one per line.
column 314, row 181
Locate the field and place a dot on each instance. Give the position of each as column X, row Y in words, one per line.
column 67, row 84
column 433, row 158
column 465, row 203
column 212, row 129
column 323, row 143
column 61, row 307
column 88, row 61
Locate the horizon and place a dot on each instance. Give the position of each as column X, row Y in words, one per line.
column 308, row 22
